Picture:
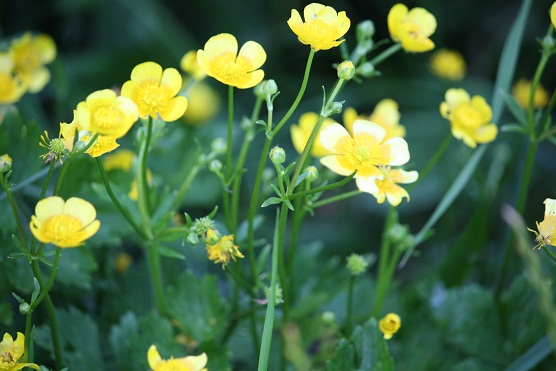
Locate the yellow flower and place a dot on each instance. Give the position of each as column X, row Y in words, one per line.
column 386, row 187
column 448, row 64
column 363, row 152
column 102, row 145
column 300, row 134
column 190, row 363
column 64, row 223
column 221, row 249
column 221, row 60
column 553, row 14
column 134, row 191
column 386, row 114
column 204, row 104
column 122, row 262
column 411, row 28
column 189, row 65
column 322, row 27
column 11, row 351
column 154, row 91
column 30, row 54
column 121, row 159
column 12, row 87
column 389, row 325
column 106, row 114
column 469, row 117
column 545, row 235
column 521, row 91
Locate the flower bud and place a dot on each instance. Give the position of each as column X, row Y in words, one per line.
column 365, row 30
column 215, row 166
column 219, row 146
column 278, row 294
column 258, row 89
column 335, row 107
column 24, row 308
column 5, row 163
column 270, row 88
column 366, row 70
column 356, row 264
column 277, row 155
column 312, row 173
column 400, row 237
column 346, row 70
column 328, row 317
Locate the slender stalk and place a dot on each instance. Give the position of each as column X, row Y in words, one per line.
column 141, row 177
column 386, row 260
column 228, row 175
column 545, row 56
column 337, row 198
column 549, row 253
column 116, row 202
column 47, row 179
column 186, row 183
column 157, row 283
column 434, row 159
column 328, row 187
column 46, row 288
column 4, row 184
column 386, row 54
column 27, row 356
column 63, row 171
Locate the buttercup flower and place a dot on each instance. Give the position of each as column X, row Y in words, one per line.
column 64, row 223
column 448, row 64
column 221, row 249
column 386, row 187
column 107, row 114
column 11, row 86
column 389, row 325
column 121, row 159
column 411, row 28
column 521, row 91
column 30, row 54
column 553, row 14
column 204, row 104
column 545, row 235
column 189, row 65
column 221, row 60
column 122, row 262
column 322, row 27
column 189, row 363
column 363, row 152
column 11, row 351
column 469, row 117
column 386, row 114
column 102, row 144
column 300, row 134
column 154, row 91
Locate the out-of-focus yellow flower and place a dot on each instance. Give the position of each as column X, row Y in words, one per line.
column 11, row 351
column 107, row 114
column 221, row 60
column 448, row 64
column 121, row 159
column 553, row 14
column 389, row 325
column 30, row 54
column 322, row 27
column 64, row 223
column 411, row 28
column 300, row 134
column 522, row 93
column 221, row 248
column 546, row 229
column 386, row 114
column 204, row 104
column 363, row 152
column 122, row 262
column 189, row 363
column 189, row 65
column 155, row 91
column 469, row 117
column 134, row 191
column 11, row 86
column 386, row 186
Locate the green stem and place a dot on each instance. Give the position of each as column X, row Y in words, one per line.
column 47, row 179
column 386, row 260
column 386, row 54
column 240, row 281
column 281, row 265
column 116, row 202
column 549, row 253
column 141, row 178
column 269, row 317
column 349, row 310
column 434, row 159
column 545, row 56
column 63, row 171
column 328, row 187
column 4, row 184
column 337, row 198
column 227, row 178
column 186, row 183
column 46, row 289
column 157, row 283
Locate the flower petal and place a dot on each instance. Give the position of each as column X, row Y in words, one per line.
column 368, row 127
column 397, row 150
column 254, row 52
column 146, row 71
column 312, row 11
column 172, row 80
column 395, row 18
column 425, row 21
column 174, row 109
column 48, row 207
column 486, row 133
column 221, row 43
column 333, row 164
column 331, row 135
column 81, row 209
column 255, row 77
column 153, row 357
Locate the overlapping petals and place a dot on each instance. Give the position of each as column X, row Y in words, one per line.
column 412, row 28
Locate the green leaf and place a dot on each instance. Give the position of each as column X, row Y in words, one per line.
column 18, row 244
column 301, row 178
column 76, row 268
column 517, row 112
column 533, row 356
column 170, row 253
column 343, row 359
column 197, row 307
column 271, row 201
column 514, row 128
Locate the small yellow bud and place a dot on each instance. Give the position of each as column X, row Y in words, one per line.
column 389, row 325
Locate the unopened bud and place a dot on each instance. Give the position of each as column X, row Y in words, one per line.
column 270, row 88
column 215, row 166
column 219, row 146
column 277, row 155
column 346, row 70
column 328, row 317
column 258, row 90
column 5, row 163
column 356, row 264
column 24, row 308
column 312, row 173
column 365, row 30
column 366, row 70
column 278, row 294
column 335, row 107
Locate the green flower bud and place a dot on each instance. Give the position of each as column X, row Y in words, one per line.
column 312, row 173
column 346, row 70
column 215, row 166
column 270, row 88
column 219, row 146
column 277, row 155
column 356, row 264
column 278, row 294
column 258, row 89
column 335, row 107
column 365, row 30
column 57, row 146
column 5, row 163
column 328, row 317
column 366, row 70
column 24, row 308
column 400, row 236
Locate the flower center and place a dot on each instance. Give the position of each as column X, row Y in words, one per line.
column 27, row 61
column 318, row 30
column 151, row 97
column 467, row 116
column 362, row 154
column 106, row 117
column 232, row 69
column 63, row 228
column 7, row 359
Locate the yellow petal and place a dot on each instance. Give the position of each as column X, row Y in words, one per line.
column 486, row 133
column 153, row 357
column 255, row 77
column 174, row 109
column 549, row 206
column 397, row 150
column 553, row 14
column 45, row 47
column 199, row 361
column 330, row 136
column 48, row 207
column 456, row 97
column 254, row 52
column 146, row 71
column 312, row 11
column 368, row 127
column 417, row 44
column 403, row 177
column 220, row 43
column 295, row 20
column 367, row 184
column 480, row 104
column 81, row 209
column 349, row 117
column 40, row 78
column 171, row 79
column 425, row 21
column 395, row 18
column 333, row 164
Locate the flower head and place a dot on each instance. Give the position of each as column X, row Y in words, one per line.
column 546, row 235
column 448, row 64
column 469, row 117
column 300, row 134
column 553, row 14
column 11, row 85
column 322, row 27
column 30, row 53
column 102, row 144
column 386, row 186
column 64, row 223
column 121, row 159
column 221, row 248
column 411, row 28
column 189, row 363
column 189, row 65
column 363, row 152
column 11, row 351
column 154, row 91
column 521, row 92
column 389, row 325
column 220, row 59
column 386, row 114
column 107, row 114
column 356, row 264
